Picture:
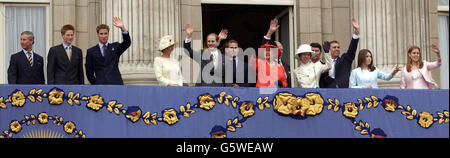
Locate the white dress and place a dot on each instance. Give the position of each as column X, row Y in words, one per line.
column 168, row 71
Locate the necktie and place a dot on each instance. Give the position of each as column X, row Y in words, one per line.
column 68, row 52
column 30, row 59
column 214, row 60
column 234, row 70
column 104, row 50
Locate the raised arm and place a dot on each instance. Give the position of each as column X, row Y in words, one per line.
column 272, row 29
column 188, row 40
column 351, row 52
column 222, row 36
column 117, row 22
column 438, row 62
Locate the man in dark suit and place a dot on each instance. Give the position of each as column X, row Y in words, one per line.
column 338, row 76
column 102, row 60
column 26, row 66
column 211, row 60
column 237, row 72
column 268, row 39
column 65, row 61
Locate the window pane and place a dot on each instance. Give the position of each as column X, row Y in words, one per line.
column 443, row 2
column 443, row 44
column 19, row 19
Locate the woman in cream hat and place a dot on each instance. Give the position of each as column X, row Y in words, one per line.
column 167, row 70
column 308, row 73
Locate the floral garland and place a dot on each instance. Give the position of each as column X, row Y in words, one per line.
column 16, row 126
column 285, row 104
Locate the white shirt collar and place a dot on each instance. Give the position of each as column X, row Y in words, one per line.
column 101, row 45
column 26, row 52
column 65, row 46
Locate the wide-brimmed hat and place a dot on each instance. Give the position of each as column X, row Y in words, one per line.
column 305, row 48
column 267, row 45
column 166, row 42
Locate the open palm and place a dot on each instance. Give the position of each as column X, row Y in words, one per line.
column 189, row 30
column 435, row 49
column 118, row 23
column 356, row 26
column 223, row 34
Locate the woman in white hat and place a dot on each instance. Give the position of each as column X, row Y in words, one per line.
column 307, row 75
column 167, row 70
column 366, row 75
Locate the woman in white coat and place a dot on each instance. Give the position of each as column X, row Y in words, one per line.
column 167, row 70
column 307, row 75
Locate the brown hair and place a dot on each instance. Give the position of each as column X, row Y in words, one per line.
column 232, row 41
column 66, row 28
column 409, row 64
column 102, row 26
column 362, row 58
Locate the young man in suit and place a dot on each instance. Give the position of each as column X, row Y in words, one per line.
column 339, row 75
column 211, row 60
column 26, row 66
column 65, row 61
column 102, row 60
column 237, row 72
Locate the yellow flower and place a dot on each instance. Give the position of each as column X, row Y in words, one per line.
column 219, row 135
column 317, row 108
column 390, row 105
column 43, row 118
column 18, row 99
column 206, row 102
column 285, row 103
column 170, row 116
column 56, row 97
column 426, row 119
column 95, row 102
column 351, row 111
column 69, row 127
column 247, row 109
column 134, row 116
column 15, row 126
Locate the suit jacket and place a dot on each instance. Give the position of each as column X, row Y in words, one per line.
column 343, row 68
column 61, row 70
column 105, row 70
column 21, row 72
column 217, row 75
column 241, row 74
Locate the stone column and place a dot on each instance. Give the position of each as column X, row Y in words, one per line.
column 64, row 12
column 147, row 21
column 389, row 28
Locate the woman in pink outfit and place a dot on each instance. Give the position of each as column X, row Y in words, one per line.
column 417, row 73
